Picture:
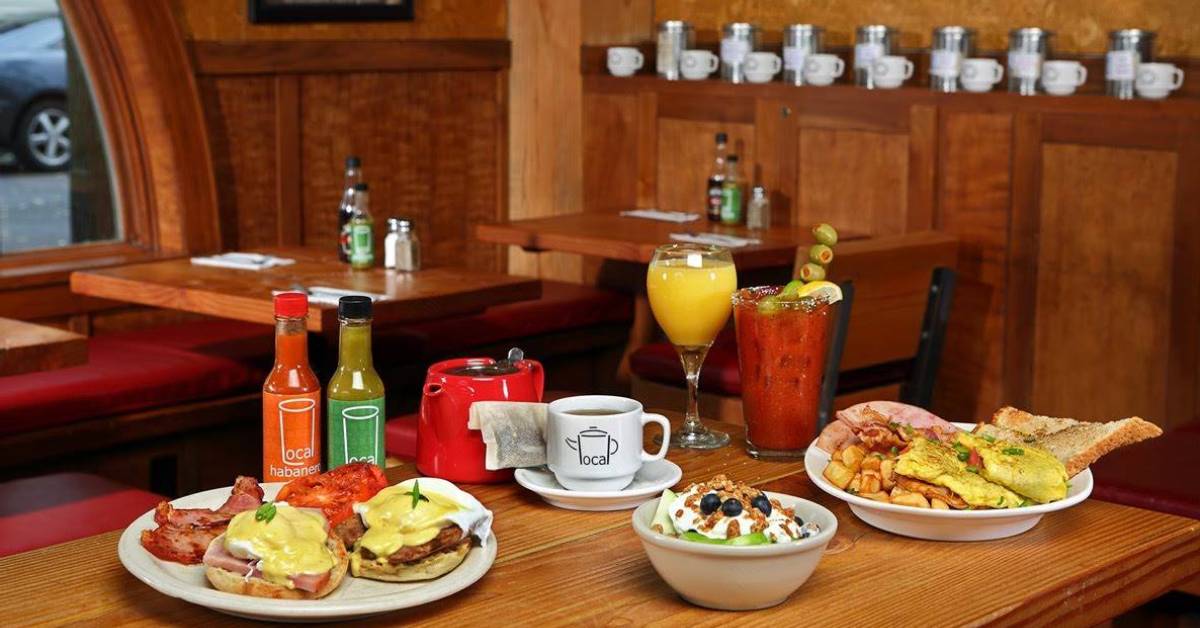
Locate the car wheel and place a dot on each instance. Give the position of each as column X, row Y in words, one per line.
column 43, row 136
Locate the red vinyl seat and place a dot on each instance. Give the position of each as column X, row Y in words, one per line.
column 400, row 437
column 659, row 362
column 1158, row 474
column 123, row 374
column 51, row 509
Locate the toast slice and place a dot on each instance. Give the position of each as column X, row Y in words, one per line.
column 1076, row 444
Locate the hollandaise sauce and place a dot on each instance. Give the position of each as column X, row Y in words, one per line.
column 393, row 521
column 290, row 543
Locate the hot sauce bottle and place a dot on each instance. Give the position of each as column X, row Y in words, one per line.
column 291, row 397
column 356, row 410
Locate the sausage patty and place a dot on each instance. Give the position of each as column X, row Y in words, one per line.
column 448, row 538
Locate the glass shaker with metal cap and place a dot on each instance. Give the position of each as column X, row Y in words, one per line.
column 401, row 249
column 871, row 42
column 799, row 41
column 1126, row 49
column 1027, row 49
column 738, row 39
column 674, row 36
column 951, row 44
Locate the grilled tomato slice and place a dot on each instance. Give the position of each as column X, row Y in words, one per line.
column 335, row 492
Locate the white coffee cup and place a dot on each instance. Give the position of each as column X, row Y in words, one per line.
column 761, row 67
column 696, row 65
column 823, row 69
column 1061, row 78
column 594, row 442
column 980, row 74
column 624, row 60
column 890, row 71
column 1156, row 80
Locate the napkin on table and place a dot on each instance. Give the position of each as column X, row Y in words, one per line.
column 513, row 432
column 655, row 214
column 718, row 239
column 242, row 261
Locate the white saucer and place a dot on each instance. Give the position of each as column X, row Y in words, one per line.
column 649, row 483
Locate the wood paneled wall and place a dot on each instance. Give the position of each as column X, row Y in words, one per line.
column 1080, row 25
column 423, row 103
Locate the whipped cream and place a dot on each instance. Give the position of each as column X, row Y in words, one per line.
column 780, row 526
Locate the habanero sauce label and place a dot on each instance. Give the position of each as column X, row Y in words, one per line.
column 291, row 436
column 356, row 432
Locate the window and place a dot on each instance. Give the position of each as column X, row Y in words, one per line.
column 55, row 186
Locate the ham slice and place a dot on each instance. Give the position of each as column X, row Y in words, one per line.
column 872, row 423
column 859, row 415
column 184, row 534
column 218, row 556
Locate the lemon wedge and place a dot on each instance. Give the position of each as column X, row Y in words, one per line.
column 826, row 291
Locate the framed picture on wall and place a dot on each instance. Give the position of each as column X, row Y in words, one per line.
column 290, row 11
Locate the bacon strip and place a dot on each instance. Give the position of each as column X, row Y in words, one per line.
column 184, row 534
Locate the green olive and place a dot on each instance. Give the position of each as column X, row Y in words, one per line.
column 825, row 234
column 792, row 289
column 820, row 254
column 769, row 305
column 812, row 272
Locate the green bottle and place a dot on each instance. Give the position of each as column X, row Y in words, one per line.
column 355, row 406
column 731, row 193
column 362, row 231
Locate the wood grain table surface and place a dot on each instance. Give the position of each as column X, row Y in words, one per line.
column 29, row 348
column 556, row 567
column 616, row 237
column 246, row 294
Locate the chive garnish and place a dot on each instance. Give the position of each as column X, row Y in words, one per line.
column 1014, row 451
column 266, row 512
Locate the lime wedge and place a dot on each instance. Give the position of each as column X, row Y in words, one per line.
column 826, row 291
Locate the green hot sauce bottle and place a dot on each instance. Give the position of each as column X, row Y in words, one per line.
column 355, row 406
column 362, row 231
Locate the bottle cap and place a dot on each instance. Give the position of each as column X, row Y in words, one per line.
column 732, row 158
column 759, row 191
column 361, row 187
column 356, row 306
column 399, row 224
column 722, row 138
column 353, row 161
column 291, row 304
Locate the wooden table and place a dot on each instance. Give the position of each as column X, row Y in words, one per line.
column 616, row 237
column 246, row 294
column 555, row 567
column 28, row 348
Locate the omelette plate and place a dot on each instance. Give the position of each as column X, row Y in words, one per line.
column 944, row 525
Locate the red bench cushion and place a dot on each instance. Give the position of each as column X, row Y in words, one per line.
column 122, row 375
column 401, row 437
column 41, row 511
column 1158, row 474
column 659, row 362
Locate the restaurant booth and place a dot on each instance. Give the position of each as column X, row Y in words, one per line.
column 799, row 243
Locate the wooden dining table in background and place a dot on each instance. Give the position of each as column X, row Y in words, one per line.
column 29, row 348
column 247, row 294
column 1079, row 566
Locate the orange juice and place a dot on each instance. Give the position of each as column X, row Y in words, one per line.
column 690, row 297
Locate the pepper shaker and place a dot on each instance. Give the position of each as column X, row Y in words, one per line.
column 401, row 248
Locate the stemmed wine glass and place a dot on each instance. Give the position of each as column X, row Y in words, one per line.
column 690, row 287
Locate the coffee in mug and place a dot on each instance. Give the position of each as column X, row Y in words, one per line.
column 594, row 442
column 624, row 60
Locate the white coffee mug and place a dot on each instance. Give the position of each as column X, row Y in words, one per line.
column 890, row 71
column 1060, row 78
column 761, row 67
column 1156, row 80
column 823, row 69
column 696, row 65
column 980, row 74
column 594, row 442
column 624, row 60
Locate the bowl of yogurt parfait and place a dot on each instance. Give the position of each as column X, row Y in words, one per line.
column 727, row 545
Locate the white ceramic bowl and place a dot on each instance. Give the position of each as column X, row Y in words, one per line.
column 944, row 525
column 736, row 578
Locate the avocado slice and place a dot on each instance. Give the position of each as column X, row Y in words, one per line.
column 755, row 538
column 662, row 516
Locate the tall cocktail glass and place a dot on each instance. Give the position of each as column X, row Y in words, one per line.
column 782, row 347
column 689, row 286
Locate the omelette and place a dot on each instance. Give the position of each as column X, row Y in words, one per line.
column 938, row 463
column 1027, row 470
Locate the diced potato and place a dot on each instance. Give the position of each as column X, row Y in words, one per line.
column 838, row 475
column 852, row 457
column 912, row 499
column 879, row 496
column 897, row 491
column 938, row 504
column 871, row 463
column 871, row 482
column 855, row 485
column 887, row 471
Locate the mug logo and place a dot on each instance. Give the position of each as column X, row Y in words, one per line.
column 594, row 446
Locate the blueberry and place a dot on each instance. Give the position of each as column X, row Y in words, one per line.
column 762, row 503
column 710, row 503
column 731, row 507
column 799, row 521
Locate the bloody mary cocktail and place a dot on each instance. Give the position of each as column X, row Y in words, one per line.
column 782, row 345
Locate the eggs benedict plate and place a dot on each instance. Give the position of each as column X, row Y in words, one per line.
column 289, row 568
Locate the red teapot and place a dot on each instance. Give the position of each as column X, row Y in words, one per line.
column 446, row 448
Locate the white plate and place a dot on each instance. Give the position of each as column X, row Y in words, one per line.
column 649, row 483
column 355, row 597
column 944, row 525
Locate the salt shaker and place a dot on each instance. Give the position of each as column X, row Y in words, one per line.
column 401, row 249
column 758, row 211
